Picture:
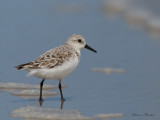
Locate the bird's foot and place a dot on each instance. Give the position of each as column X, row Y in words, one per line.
column 62, row 99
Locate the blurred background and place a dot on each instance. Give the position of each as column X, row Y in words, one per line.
column 123, row 77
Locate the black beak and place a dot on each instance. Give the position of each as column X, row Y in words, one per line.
column 89, row 48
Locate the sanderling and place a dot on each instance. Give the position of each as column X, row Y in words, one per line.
column 57, row 63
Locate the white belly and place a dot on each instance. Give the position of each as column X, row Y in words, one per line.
column 56, row 73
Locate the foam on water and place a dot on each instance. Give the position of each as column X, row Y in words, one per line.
column 39, row 113
column 137, row 17
column 33, row 93
column 32, row 112
column 108, row 70
column 12, row 85
column 153, row 27
column 107, row 116
column 114, row 6
column 138, row 14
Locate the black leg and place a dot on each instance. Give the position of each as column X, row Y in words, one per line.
column 60, row 89
column 41, row 86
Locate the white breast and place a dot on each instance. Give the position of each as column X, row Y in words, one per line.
column 56, row 73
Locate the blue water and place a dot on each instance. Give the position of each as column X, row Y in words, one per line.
column 29, row 28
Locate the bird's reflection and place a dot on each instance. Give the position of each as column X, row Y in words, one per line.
column 61, row 106
column 41, row 102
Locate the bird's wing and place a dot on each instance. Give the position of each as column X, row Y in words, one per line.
column 52, row 58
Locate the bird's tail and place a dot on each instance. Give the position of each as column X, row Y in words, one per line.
column 23, row 66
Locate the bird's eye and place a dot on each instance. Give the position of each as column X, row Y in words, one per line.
column 79, row 40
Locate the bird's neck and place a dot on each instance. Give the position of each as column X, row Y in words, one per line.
column 77, row 51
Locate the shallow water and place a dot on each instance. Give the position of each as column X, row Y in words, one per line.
column 29, row 28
